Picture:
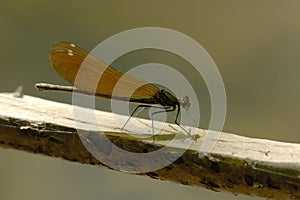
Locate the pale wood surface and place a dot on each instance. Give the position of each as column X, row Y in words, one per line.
column 236, row 164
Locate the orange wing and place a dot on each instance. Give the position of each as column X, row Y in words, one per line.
column 66, row 59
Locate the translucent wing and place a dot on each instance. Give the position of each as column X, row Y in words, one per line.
column 66, row 59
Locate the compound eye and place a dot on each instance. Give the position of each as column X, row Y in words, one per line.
column 185, row 102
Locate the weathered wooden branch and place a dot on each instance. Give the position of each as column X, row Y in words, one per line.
column 236, row 164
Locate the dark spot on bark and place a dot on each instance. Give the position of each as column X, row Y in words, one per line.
column 184, row 182
column 152, row 174
column 145, row 150
column 56, row 139
column 179, row 161
column 215, row 167
column 11, row 144
column 270, row 184
column 249, row 180
column 169, row 167
column 92, row 163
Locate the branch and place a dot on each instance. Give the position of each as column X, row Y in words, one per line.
column 236, row 164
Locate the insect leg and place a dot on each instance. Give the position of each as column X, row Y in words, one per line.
column 176, row 122
column 165, row 109
column 136, row 109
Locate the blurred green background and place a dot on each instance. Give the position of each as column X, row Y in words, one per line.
column 255, row 44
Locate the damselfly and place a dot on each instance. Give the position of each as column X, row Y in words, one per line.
column 66, row 59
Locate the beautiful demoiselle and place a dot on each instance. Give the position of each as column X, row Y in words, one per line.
column 66, row 59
